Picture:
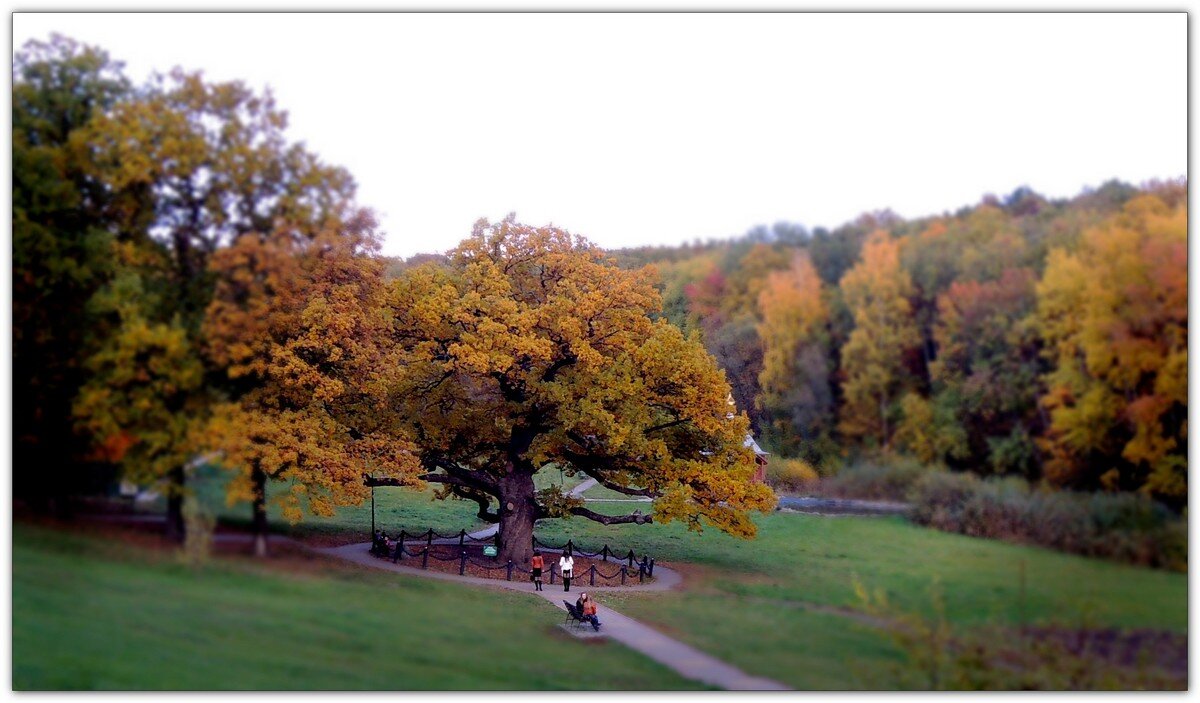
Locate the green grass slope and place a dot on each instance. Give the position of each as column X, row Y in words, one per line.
column 94, row 616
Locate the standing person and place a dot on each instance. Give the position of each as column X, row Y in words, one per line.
column 566, row 567
column 587, row 608
column 536, row 564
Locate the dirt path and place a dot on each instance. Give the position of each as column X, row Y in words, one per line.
column 684, row 659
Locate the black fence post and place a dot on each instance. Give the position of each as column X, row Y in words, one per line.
column 604, row 552
column 462, row 535
column 622, row 574
column 399, row 548
column 425, row 558
column 641, row 573
column 429, row 539
column 462, row 563
column 592, row 575
column 630, row 557
column 510, row 569
column 570, row 548
column 552, row 568
column 651, row 571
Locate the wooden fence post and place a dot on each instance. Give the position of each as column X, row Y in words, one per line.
column 622, row 574
column 592, row 575
column 510, row 569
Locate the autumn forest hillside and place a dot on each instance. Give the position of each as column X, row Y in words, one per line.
column 1022, row 336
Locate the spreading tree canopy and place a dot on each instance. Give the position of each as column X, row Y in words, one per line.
column 530, row 350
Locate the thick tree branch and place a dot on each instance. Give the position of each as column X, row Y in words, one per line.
column 561, row 363
column 480, row 499
column 621, row 489
column 473, row 479
column 635, row 518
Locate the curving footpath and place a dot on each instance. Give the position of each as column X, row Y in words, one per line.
column 684, row 659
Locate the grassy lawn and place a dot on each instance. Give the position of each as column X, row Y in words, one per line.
column 762, row 604
column 97, row 615
column 769, row 605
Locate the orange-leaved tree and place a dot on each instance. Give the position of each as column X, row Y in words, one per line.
column 1114, row 318
column 530, row 350
column 295, row 322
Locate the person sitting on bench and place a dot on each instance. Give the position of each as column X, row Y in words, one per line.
column 587, row 608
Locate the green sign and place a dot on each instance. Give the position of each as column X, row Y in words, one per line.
column 489, row 551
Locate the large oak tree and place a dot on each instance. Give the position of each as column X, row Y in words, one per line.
column 530, row 350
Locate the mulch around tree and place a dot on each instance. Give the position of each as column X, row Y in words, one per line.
column 446, row 558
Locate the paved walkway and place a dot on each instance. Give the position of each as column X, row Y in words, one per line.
column 686, row 660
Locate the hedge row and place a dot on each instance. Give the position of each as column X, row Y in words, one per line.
column 1122, row 526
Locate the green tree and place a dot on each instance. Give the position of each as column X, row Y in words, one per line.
column 62, row 252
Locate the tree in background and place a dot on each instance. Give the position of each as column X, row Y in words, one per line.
column 295, row 322
column 724, row 304
column 795, row 380
column 212, row 161
column 530, row 351
column 876, row 359
column 62, row 253
column 1114, row 318
column 145, row 378
column 983, row 412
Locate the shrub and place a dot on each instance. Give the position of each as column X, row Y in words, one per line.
column 1121, row 526
column 873, row 480
column 791, row 474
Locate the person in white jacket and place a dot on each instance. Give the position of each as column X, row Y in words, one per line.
column 566, row 567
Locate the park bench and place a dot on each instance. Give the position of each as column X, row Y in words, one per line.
column 573, row 614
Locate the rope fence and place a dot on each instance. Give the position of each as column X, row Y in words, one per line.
column 626, row 564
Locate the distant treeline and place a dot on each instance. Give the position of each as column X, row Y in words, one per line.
column 1022, row 336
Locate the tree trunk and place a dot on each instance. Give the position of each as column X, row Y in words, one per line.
column 176, row 482
column 518, row 510
column 259, row 479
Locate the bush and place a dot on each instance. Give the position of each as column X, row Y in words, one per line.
column 1121, row 526
column 873, row 480
column 791, row 474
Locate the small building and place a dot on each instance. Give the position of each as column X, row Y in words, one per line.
column 760, row 459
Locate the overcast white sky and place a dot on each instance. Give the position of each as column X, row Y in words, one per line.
column 641, row 129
